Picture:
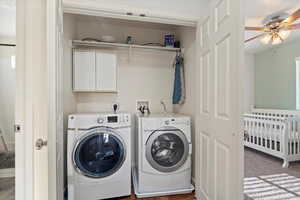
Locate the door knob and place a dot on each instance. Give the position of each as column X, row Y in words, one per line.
column 40, row 143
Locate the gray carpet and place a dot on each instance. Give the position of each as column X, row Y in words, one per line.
column 265, row 179
column 260, row 164
column 7, row 160
column 7, row 188
column 7, row 185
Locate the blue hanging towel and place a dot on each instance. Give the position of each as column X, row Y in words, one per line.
column 179, row 86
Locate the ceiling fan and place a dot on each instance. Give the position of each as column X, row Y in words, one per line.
column 276, row 28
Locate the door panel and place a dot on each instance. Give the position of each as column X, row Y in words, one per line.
column 221, row 13
column 84, row 70
column 204, row 181
column 106, row 71
column 222, row 86
column 218, row 154
column 205, row 77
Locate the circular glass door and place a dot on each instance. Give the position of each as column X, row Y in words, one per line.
column 99, row 154
column 167, row 150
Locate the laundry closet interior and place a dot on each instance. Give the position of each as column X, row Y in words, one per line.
column 134, row 69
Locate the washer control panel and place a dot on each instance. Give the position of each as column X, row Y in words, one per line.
column 115, row 119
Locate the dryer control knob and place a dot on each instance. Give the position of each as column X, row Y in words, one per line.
column 167, row 122
column 100, row 120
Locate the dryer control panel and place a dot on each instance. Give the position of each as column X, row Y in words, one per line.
column 174, row 121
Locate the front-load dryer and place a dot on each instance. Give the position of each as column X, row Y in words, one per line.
column 99, row 156
column 163, row 158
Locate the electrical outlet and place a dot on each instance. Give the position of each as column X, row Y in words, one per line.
column 142, row 103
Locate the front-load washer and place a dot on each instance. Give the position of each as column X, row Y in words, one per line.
column 99, row 156
column 163, row 157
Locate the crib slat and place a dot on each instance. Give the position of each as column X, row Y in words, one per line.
column 294, row 136
column 273, row 133
column 277, row 135
column 270, row 135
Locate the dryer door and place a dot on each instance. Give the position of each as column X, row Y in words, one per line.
column 99, row 153
column 167, row 150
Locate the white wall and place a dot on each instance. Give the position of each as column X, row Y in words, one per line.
column 188, row 41
column 143, row 75
column 275, row 76
column 7, row 96
column 69, row 98
column 147, row 76
column 249, row 82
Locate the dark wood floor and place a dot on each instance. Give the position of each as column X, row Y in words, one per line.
column 173, row 197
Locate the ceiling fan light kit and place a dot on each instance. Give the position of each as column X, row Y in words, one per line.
column 284, row 33
column 266, row 39
column 277, row 28
column 276, row 41
column 275, row 37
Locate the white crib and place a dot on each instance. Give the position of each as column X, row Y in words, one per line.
column 275, row 132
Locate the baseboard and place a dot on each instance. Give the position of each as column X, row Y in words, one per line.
column 7, row 173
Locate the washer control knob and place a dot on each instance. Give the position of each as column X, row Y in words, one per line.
column 100, row 120
column 167, row 122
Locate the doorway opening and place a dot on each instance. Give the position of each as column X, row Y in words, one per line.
column 271, row 102
column 7, row 98
column 7, row 139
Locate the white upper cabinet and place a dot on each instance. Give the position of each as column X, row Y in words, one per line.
column 84, row 70
column 94, row 71
column 185, row 13
column 106, row 68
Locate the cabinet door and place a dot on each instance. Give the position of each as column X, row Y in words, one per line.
column 84, row 70
column 106, row 72
column 180, row 13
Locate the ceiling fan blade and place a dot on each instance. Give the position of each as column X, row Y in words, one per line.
column 292, row 18
column 293, row 26
column 254, row 28
column 253, row 38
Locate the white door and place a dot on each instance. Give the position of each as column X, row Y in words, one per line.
column 31, row 101
column 218, row 150
column 35, row 102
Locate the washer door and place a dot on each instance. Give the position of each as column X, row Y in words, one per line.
column 167, row 150
column 99, row 153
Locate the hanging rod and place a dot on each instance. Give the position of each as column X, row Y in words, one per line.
column 7, row 45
